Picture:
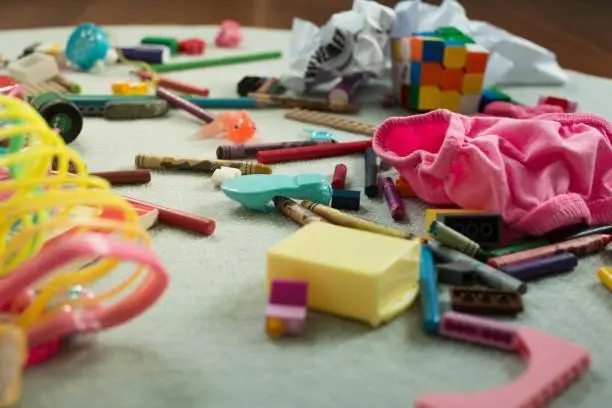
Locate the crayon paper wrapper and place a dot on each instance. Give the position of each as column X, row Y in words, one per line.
column 353, row 41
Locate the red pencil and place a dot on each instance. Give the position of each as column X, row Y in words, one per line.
column 189, row 222
column 312, row 152
column 177, row 86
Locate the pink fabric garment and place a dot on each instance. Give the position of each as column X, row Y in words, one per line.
column 511, row 110
column 540, row 174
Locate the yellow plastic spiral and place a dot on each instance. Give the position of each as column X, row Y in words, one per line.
column 35, row 204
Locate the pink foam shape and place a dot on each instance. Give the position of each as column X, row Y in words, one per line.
column 552, row 364
column 478, row 330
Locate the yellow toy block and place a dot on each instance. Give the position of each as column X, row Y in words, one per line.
column 450, row 100
column 350, row 273
column 455, row 56
column 429, row 98
column 472, row 84
column 432, row 213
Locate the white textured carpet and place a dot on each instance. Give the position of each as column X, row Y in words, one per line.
column 203, row 344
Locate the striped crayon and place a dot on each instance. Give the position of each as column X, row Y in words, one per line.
column 197, row 165
column 578, row 246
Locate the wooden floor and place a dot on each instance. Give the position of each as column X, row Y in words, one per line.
column 573, row 29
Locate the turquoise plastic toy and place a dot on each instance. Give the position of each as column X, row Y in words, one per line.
column 87, row 45
column 319, row 135
column 256, row 191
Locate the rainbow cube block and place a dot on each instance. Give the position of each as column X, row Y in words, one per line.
column 444, row 69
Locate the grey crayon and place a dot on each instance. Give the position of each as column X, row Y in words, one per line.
column 494, row 278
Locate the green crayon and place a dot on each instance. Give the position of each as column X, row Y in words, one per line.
column 456, row 240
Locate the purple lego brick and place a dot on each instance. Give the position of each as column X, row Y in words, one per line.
column 289, row 292
column 535, row 268
column 478, row 330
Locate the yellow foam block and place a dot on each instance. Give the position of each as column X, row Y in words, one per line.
column 450, row 100
column 429, row 98
column 432, row 213
column 350, row 273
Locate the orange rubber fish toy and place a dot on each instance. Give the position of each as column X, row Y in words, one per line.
column 237, row 126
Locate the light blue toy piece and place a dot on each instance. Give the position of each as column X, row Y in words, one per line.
column 319, row 135
column 256, row 191
column 87, row 45
column 428, row 282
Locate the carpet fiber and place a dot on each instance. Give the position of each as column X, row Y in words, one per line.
column 203, row 344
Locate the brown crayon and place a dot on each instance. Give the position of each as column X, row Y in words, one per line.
column 124, row 177
column 314, row 104
column 578, row 246
column 197, row 165
column 293, row 210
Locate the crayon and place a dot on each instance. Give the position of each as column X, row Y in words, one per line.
column 185, row 105
column 394, row 201
column 339, row 177
column 313, row 104
column 293, row 210
column 489, row 275
column 189, row 222
column 346, row 199
column 518, row 246
column 371, row 173
column 456, row 240
column 174, row 85
column 312, row 152
column 339, row 218
column 535, row 268
column 428, row 288
column 578, row 246
column 124, row 177
column 215, row 62
column 196, row 165
column 242, row 151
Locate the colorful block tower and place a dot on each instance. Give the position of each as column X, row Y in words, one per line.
column 439, row 70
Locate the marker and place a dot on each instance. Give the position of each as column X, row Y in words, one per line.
column 371, row 173
column 456, row 240
column 215, row 62
column 491, row 276
column 293, row 210
column 312, row 152
column 339, row 218
column 189, row 222
column 394, row 201
column 204, row 166
column 185, row 105
column 246, row 151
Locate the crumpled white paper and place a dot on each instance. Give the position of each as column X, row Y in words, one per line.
column 513, row 61
column 352, row 41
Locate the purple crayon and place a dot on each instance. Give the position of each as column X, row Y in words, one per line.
column 185, row 105
column 535, row 268
column 394, row 201
column 241, row 151
column 149, row 54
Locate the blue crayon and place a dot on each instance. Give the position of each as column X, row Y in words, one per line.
column 428, row 287
column 87, row 101
column 535, row 268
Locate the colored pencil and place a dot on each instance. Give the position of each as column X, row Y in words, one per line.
column 215, row 62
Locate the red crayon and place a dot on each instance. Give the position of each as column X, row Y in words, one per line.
column 339, row 178
column 189, row 222
column 177, row 86
column 312, row 152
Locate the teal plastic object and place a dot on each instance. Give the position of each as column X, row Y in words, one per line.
column 256, row 191
column 87, row 45
column 319, row 135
